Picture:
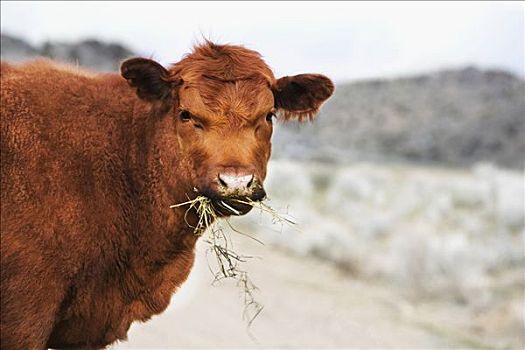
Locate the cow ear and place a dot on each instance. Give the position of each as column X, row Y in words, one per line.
column 150, row 78
column 300, row 96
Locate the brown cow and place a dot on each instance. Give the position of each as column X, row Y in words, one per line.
column 89, row 171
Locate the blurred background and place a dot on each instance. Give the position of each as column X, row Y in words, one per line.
column 408, row 189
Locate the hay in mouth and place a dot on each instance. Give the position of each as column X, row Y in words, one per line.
column 230, row 264
column 229, row 207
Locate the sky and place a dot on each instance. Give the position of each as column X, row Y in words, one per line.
column 344, row 40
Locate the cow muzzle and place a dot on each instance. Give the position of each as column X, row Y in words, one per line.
column 234, row 193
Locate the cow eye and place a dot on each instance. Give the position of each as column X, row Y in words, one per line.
column 270, row 116
column 185, row 116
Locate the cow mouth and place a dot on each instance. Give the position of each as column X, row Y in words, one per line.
column 232, row 206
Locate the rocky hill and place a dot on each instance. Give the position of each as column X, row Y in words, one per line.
column 455, row 117
column 88, row 53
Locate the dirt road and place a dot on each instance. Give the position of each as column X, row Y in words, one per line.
column 307, row 304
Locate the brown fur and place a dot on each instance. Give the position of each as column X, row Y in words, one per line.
column 89, row 170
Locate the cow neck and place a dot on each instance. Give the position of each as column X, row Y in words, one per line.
column 159, row 180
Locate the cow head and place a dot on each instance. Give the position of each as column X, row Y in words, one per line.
column 223, row 100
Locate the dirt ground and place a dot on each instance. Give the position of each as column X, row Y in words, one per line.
column 307, row 304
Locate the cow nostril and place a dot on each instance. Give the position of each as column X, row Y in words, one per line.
column 221, row 181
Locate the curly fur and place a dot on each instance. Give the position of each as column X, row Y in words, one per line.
column 90, row 164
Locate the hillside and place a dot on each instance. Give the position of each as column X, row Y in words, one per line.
column 88, row 53
column 454, row 117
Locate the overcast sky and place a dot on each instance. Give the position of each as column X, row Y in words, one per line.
column 344, row 40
